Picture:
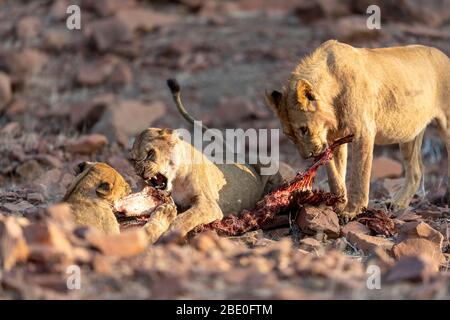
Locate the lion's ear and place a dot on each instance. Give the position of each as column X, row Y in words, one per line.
column 305, row 94
column 274, row 99
column 79, row 168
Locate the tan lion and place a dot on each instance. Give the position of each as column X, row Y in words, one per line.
column 383, row 96
column 93, row 195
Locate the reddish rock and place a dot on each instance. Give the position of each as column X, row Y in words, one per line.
column 412, row 268
column 310, row 244
column 87, row 144
column 86, row 115
column 384, row 167
column 121, row 76
column 23, row 63
column 356, row 227
column 59, row 8
column 144, row 19
column 5, row 90
column 55, row 40
column 125, row 244
column 96, row 73
column 353, row 29
column 367, row 243
column 206, row 241
column 420, row 229
column 13, row 247
column 47, row 233
column 127, row 118
column 108, row 7
column 28, row 28
column 11, row 129
column 419, row 247
column 107, row 33
column 312, row 220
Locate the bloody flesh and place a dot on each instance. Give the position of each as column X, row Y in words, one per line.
column 280, row 199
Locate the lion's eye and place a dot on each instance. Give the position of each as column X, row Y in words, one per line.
column 150, row 154
column 304, row 130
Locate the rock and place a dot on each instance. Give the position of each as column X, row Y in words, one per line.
column 58, row 9
column 413, row 268
column 353, row 29
column 205, row 242
column 29, row 170
column 22, row 64
column 107, row 33
column 121, row 76
column 35, row 197
column 127, row 118
column 46, row 240
column 108, row 7
column 28, row 28
column 312, row 220
column 11, row 129
column 49, row 179
column 309, row 11
column 61, row 214
column 433, row 13
column 310, row 244
column 87, row 144
column 55, row 40
column 144, row 19
column 356, row 227
column 231, row 110
column 420, row 229
column 367, row 243
column 5, row 90
column 17, row 106
column 96, row 73
column 125, row 244
column 419, row 247
column 19, row 207
column 384, row 167
column 86, row 115
column 13, row 247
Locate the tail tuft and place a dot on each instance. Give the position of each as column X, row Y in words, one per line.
column 173, row 85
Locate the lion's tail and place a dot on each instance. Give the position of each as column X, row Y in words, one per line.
column 175, row 89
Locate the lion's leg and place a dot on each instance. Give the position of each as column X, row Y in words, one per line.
column 412, row 160
column 336, row 171
column 444, row 130
column 358, row 195
column 202, row 212
column 160, row 221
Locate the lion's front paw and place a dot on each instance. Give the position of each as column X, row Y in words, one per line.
column 347, row 216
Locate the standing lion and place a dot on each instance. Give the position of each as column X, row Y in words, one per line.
column 382, row 96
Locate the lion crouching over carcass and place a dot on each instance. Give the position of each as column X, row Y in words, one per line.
column 382, row 96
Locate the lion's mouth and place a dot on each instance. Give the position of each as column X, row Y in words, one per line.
column 159, row 181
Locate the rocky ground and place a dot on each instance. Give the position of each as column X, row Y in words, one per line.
column 73, row 95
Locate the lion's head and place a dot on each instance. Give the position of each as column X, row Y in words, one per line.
column 97, row 180
column 305, row 119
column 155, row 158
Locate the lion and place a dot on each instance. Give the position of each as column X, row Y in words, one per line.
column 382, row 96
column 203, row 191
column 93, row 195
column 99, row 192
